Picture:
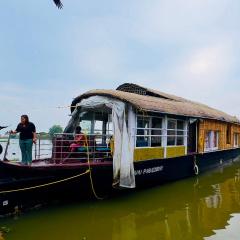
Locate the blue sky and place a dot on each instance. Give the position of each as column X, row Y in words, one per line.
column 48, row 56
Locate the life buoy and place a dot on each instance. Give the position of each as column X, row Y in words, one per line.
column 195, row 168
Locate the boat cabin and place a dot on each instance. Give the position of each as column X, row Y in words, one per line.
column 165, row 126
column 134, row 123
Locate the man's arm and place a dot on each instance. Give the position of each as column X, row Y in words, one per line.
column 15, row 131
column 34, row 137
column 34, row 134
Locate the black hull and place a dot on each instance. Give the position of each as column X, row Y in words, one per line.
column 148, row 173
column 172, row 169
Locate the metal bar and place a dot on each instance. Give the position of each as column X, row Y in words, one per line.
column 35, row 150
column 6, row 148
column 39, row 146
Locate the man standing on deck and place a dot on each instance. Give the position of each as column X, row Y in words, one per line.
column 28, row 136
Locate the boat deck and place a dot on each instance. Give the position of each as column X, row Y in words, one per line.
column 48, row 163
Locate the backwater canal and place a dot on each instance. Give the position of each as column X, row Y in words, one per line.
column 204, row 207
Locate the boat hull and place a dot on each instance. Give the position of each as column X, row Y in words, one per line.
column 71, row 181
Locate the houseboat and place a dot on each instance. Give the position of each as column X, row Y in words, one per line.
column 131, row 137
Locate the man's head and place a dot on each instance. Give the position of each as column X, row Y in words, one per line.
column 24, row 119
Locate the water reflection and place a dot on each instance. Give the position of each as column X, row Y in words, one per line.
column 206, row 207
column 231, row 232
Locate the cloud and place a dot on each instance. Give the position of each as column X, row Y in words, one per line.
column 188, row 48
column 168, row 21
column 39, row 104
column 102, row 62
column 206, row 67
column 202, row 74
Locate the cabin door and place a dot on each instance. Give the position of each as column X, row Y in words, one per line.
column 192, row 137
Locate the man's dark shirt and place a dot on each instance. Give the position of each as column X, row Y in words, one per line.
column 27, row 131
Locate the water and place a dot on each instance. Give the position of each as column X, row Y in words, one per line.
column 204, row 207
column 14, row 152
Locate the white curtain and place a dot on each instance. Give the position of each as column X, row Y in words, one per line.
column 127, row 177
column 123, row 169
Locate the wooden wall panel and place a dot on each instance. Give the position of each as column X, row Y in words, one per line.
column 221, row 127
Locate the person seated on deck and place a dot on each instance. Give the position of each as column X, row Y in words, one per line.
column 80, row 140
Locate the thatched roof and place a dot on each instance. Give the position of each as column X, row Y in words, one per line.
column 151, row 100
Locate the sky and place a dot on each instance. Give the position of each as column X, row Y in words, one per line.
column 49, row 56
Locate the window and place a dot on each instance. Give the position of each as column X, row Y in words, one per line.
column 142, row 139
column 86, row 126
column 228, row 134
column 175, row 132
column 215, row 139
column 149, row 132
column 211, row 140
column 208, row 140
column 156, row 132
column 236, row 139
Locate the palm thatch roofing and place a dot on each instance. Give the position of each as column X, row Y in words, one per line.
column 150, row 100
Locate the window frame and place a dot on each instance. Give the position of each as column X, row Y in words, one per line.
column 149, row 129
column 164, row 132
column 184, row 130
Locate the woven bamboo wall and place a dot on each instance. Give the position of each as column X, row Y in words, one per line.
column 221, row 127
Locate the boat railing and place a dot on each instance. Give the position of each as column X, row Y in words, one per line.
column 41, row 150
column 63, row 147
column 68, row 147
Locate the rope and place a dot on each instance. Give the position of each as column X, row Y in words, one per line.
column 44, row 108
column 46, row 184
column 90, row 172
column 62, row 180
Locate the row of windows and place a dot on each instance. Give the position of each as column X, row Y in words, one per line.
column 212, row 140
column 151, row 131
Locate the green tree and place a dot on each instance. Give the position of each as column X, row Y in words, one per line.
column 55, row 129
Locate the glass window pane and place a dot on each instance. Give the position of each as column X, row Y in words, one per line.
column 143, row 122
column 172, row 124
column 170, row 141
column 171, row 132
column 156, row 122
column 157, row 132
column 142, row 132
column 236, row 137
column 142, row 141
column 86, row 126
column 156, row 141
column 180, row 125
column 180, row 133
column 180, row 141
column 215, row 139
column 98, row 127
column 208, row 140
